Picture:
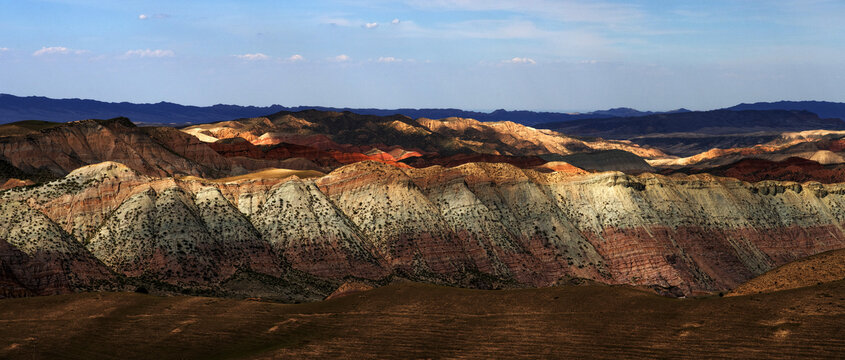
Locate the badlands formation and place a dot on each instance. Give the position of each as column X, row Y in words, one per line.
column 478, row 225
column 292, row 205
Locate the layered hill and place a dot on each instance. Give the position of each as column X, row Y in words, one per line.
column 823, row 146
column 306, row 140
column 481, row 225
column 402, row 137
column 62, row 148
column 792, row 169
column 343, row 197
column 42, row 150
column 692, row 132
column 37, row 257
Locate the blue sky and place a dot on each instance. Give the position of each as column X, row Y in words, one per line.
column 570, row 55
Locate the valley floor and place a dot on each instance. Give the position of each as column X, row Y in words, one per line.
column 412, row 320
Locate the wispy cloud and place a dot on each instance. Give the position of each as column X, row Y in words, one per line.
column 252, row 57
column 395, row 21
column 484, row 29
column 54, row 50
column 3, row 49
column 341, row 58
column 388, row 59
column 147, row 53
column 497, row 29
column 336, row 21
column 295, row 58
column 562, row 10
column 521, row 60
column 371, row 25
column 153, row 16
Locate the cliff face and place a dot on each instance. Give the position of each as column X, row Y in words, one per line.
column 477, row 224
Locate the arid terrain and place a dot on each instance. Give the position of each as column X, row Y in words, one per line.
column 429, row 238
column 410, row 320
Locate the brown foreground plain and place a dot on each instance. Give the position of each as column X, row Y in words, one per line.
column 412, row 320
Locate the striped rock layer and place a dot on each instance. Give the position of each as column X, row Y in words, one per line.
column 477, row 224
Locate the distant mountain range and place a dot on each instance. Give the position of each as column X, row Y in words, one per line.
column 16, row 108
column 823, row 109
column 715, row 122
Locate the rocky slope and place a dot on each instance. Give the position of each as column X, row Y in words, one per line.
column 306, row 140
column 351, row 132
column 609, row 160
column 792, row 169
column 47, row 151
column 814, row 270
column 152, row 151
column 180, row 237
column 823, row 146
column 510, row 138
column 479, row 224
column 38, row 258
column 814, row 155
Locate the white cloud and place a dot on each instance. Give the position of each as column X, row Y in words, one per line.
column 295, row 58
column 388, row 59
column 2, row 49
column 158, row 53
column 395, row 21
column 371, row 25
column 521, row 60
column 341, row 58
column 590, row 61
column 57, row 50
column 153, row 16
column 251, row 57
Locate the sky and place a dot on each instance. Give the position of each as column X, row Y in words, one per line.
column 567, row 55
